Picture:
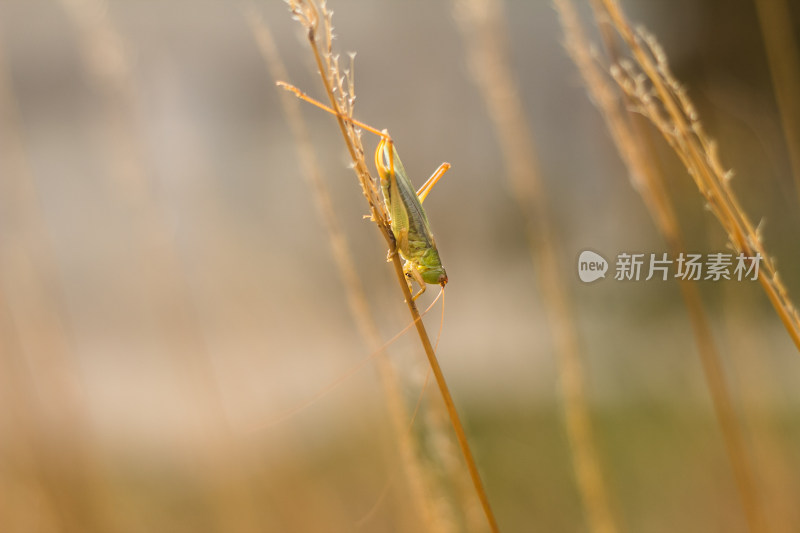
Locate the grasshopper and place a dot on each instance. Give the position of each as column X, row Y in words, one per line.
column 409, row 224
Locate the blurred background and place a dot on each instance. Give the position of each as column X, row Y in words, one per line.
column 172, row 320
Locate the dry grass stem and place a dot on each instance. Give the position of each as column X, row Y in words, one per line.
column 105, row 57
column 36, row 355
column 481, row 23
column 339, row 90
column 414, row 471
column 783, row 57
column 754, row 378
column 631, row 136
column 648, row 80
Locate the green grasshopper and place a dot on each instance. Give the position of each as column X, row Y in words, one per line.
column 409, row 223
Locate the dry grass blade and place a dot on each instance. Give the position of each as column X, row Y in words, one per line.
column 105, row 56
column 630, row 134
column 339, row 89
column 356, row 295
column 48, row 442
column 648, row 81
column 481, row 22
column 783, row 56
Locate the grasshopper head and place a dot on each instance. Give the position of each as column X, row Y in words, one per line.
column 435, row 276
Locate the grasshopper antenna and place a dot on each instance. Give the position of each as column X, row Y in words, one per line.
column 303, row 96
column 441, row 322
column 344, row 377
column 374, row 509
column 383, row 134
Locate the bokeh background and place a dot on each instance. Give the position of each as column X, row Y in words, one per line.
column 171, row 318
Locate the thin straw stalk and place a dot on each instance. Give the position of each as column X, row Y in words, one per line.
column 341, row 99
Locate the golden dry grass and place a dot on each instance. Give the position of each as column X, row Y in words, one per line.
column 190, row 296
column 340, row 88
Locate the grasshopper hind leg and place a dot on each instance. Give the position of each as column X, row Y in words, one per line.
column 427, row 187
